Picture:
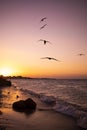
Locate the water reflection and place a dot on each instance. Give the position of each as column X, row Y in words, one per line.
column 9, row 118
column 8, row 95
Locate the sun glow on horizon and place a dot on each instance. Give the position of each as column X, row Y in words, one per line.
column 5, row 71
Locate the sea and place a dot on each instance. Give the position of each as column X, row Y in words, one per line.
column 67, row 96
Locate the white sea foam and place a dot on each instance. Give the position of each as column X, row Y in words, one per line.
column 72, row 110
column 47, row 99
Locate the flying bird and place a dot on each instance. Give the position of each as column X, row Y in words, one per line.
column 43, row 19
column 45, row 41
column 81, row 54
column 50, row 58
column 43, row 26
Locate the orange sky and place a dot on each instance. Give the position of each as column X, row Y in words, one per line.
column 20, row 51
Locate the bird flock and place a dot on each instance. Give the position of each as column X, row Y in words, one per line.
column 46, row 41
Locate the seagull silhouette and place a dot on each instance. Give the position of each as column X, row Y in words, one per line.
column 44, row 18
column 43, row 26
column 50, row 58
column 81, row 54
column 45, row 41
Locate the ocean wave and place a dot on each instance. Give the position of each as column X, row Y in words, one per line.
column 59, row 105
column 72, row 110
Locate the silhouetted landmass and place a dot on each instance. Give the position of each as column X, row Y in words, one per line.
column 42, row 78
column 17, row 77
column 22, row 77
column 4, row 81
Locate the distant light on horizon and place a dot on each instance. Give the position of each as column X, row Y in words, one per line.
column 6, row 71
column 63, row 23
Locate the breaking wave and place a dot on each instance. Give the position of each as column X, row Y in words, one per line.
column 59, row 105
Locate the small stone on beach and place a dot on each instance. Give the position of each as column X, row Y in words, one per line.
column 1, row 112
column 24, row 105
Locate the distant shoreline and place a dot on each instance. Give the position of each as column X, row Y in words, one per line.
column 42, row 78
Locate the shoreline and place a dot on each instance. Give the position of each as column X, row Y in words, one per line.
column 39, row 120
column 43, row 118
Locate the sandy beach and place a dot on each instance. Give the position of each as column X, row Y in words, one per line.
column 43, row 118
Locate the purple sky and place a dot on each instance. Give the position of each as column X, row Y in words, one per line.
column 66, row 29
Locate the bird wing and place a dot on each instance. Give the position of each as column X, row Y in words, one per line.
column 43, row 26
column 49, row 42
column 50, row 58
column 81, row 54
column 44, row 58
column 41, row 40
column 43, row 19
column 55, row 59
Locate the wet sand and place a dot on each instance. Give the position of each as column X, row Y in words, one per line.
column 43, row 118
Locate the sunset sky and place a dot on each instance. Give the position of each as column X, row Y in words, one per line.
column 20, row 50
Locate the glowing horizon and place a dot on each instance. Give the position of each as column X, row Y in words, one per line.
column 66, row 29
